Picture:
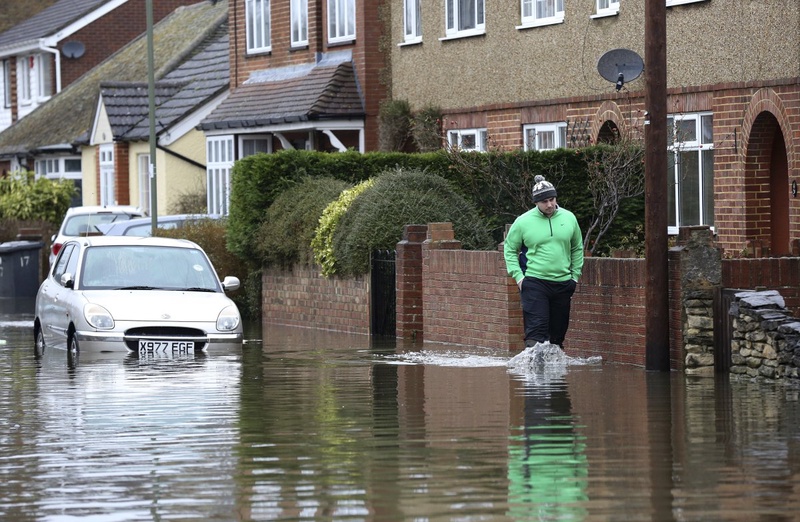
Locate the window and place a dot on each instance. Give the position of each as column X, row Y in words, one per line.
column 607, row 7
column 58, row 167
column 542, row 12
column 6, row 83
column 219, row 150
column 25, row 65
column 545, row 136
column 468, row 140
column 412, row 24
column 143, row 165
column 341, row 20
column 254, row 144
column 44, row 73
column 299, row 22
column 464, row 17
column 690, row 172
column 258, row 25
column 107, row 175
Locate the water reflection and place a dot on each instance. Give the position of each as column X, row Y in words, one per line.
column 308, row 425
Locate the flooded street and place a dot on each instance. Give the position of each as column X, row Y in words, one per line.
column 301, row 424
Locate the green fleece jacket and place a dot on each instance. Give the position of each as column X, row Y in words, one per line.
column 545, row 248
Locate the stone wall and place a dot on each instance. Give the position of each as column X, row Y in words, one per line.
column 766, row 337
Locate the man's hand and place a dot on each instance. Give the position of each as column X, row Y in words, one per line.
column 519, row 284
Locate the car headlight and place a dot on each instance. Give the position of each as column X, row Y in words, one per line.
column 228, row 319
column 98, row 317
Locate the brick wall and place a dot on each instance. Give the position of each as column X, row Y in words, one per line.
column 303, row 297
column 467, row 297
column 449, row 295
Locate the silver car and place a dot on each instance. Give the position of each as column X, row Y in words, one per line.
column 134, row 294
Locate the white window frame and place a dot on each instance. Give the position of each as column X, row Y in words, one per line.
column 412, row 21
column 55, row 167
column 44, row 76
column 671, row 3
column 245, row 139
column 107, row 174
column 468, row 140
column 143, row 166
column 24, row 67
column 219, row 164
column 452, row 13
column 258, row 26
column 534, row 136
column 531, row 15
column 341, row 20
column 685, row 136
column 299, row 14
column 7, row 84
column 606, row 8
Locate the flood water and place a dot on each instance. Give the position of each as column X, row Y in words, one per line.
column 300, row 424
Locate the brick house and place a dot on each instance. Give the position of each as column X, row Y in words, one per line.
column 103, row 115
column 304, row 75
column 525, row 75
column 47, row 52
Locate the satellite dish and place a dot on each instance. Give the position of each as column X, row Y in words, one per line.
column 73, row 49
column 620, row 66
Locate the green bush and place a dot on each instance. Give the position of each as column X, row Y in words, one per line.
column 27, row 198
column 322, row 243
column 285, row 235
column 257, row 180
column 376, row 218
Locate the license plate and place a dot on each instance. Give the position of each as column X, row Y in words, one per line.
column 157, row 346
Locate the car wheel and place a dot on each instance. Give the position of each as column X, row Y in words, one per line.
column 73, row 351
column 38, row 345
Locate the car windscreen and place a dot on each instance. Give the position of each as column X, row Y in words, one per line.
column 147, row 267
column 83, row 224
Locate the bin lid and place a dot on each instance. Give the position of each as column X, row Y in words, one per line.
column 15, row 246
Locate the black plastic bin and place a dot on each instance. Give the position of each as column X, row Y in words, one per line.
column 19, row 276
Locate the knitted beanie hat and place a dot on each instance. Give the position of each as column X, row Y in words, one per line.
column 542, row 189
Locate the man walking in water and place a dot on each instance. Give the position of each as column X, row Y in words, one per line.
column 544, row 254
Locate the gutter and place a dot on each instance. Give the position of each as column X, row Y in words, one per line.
column 57, row 54
column 181, row 157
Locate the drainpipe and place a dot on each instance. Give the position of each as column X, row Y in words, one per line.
column 43, row 47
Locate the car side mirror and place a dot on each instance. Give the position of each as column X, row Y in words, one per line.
column 67, row 280
column 230, row 283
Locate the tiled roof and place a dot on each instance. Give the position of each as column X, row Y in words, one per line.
column 49, row 21
column 323, row 91
column 192, row 83
column 68, row 116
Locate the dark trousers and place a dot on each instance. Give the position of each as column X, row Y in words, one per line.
column 545, row 309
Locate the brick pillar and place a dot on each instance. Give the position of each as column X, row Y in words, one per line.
column 408, row 282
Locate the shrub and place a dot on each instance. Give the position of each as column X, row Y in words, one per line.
column 27, row 198
column 376, row 218
column 394, row 125
column 323, row 236
column 284, row 237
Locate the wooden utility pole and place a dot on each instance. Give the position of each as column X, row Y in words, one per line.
column 655, row 167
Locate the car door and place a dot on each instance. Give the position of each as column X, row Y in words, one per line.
column 54, row 297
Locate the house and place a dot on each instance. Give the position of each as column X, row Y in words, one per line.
column 102, row 117
column 304, row 75
column 53, row 48
column 525, row 76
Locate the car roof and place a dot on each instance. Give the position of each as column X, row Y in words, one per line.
column 91, row 241
column 97, row 209
column 118, row 226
